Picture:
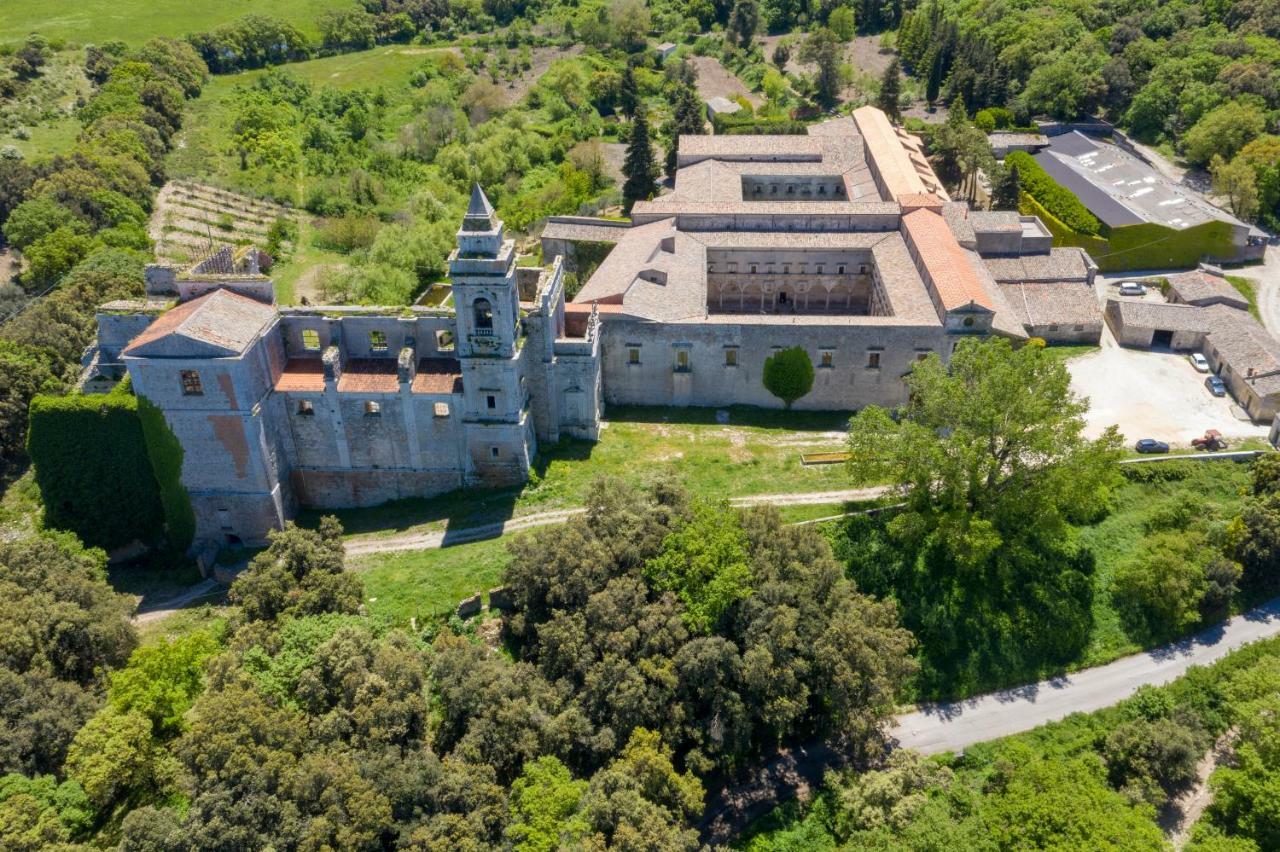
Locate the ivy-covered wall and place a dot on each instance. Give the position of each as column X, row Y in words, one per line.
column 108, row 469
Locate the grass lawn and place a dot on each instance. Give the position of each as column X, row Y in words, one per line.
column 758, row 452
column 135, row 21
column 1247, row 287
column 1065, row 353
column 183, row 622
column 424, row 584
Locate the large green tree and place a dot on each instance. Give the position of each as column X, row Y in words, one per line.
column 638, row 166
column 991, row 461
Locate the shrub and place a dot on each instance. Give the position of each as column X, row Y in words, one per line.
column 1160, row 589
column 1151, row 760
column 1055, row 197
column 788, row 374
column 346, row 233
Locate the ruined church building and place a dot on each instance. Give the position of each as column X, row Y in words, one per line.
column 842, row 241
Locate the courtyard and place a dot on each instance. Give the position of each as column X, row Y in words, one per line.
column 1153, row 394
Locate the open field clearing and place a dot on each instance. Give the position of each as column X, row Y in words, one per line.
column 135, row 21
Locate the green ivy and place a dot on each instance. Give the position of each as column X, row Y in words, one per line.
column 1055, row 197
column 165, row 452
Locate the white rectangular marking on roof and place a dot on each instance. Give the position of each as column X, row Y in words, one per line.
column 1143, row 191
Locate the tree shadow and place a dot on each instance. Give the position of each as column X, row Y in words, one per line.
column 734, row 415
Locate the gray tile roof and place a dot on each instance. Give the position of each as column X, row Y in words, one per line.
column 1201, row 287
column 1060, row 264
column 219, row 324
column 1053, row 303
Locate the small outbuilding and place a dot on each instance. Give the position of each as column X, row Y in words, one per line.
column 665, row 50
column 721, row 106
column 1204, row 287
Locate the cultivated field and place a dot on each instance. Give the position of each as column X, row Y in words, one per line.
column 192, row 218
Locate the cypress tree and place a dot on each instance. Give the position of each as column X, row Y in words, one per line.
column 628, row 94
column 688, row 119
column 891, row 90
column 638, row 167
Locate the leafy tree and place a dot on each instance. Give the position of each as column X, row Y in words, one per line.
column 36, row 218
column 781, row 54
column 1161, row 588
column 843, row 23
column 1223, row 131
column 992, row 463
column 1007, row 192
column 39, row 813
column 162, row 680
column 1254, row 540
column 53, row 255
column 640, row 801
column 705, row 563
column 744, row 20
column 1152, row 760
column 890, row 97
column 889, row 797
column 117, row 761
column 788, row 374
column 545, row 807
column 300, row 573
column 1238, row 182
column 631, row 24
column 638, row 167
column 823, row 49
column 960, row 148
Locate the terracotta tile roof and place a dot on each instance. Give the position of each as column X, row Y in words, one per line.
column 943, row 261
column 369, row 375
column 1205, row 288
column 902, row 169
column 221, row 319
column 438, row 375
column 301, row 375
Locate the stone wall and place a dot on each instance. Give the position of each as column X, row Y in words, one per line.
column 850, row 382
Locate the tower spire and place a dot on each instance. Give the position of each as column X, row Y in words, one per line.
column 479, row 215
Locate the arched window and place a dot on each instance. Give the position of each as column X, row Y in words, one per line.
column 482, row 312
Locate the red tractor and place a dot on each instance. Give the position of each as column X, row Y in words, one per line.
column 1212, row 441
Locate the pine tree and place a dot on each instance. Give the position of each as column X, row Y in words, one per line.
column 933, row 84
column 628, row 94
column 891, row 90
column 687, row 119
column 638, row 167
column 1007, row 190
column 744, row 20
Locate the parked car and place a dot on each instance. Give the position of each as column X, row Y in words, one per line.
column 1198, row 361
column 1132, row 288
column 1216, row 386
column 1151, row 445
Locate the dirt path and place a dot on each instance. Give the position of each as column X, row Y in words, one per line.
column 1183, row 812
column 163, row 609
column 368, row 545
column 1267, row 278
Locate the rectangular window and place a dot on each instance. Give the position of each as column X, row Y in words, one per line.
column 378, row 341
column 819, row 271
column 495, row 452
column 372, row 409
column 305, row 407
column 442, row 409
column 491, row 402
column 828, row 358
column 310, row 340
column 444, row 340
column 633, row 355
column 731, row 357
column 873, row 360
column 840, row 269
column 682, row 360
column 191, row 383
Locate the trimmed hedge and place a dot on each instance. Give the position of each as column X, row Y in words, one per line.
column 93, row 470
column 1053, row 196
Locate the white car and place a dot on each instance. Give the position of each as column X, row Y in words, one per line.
column 1132, row 288
column 1198, row 361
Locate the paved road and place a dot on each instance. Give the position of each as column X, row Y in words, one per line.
column 366, row 545
column 1267, row 277
column 952, row 727
column 957, row 725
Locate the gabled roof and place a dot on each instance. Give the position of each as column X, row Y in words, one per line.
column 944, row 263
column 217, row 325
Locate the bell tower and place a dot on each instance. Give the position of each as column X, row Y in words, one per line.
column 500, row 439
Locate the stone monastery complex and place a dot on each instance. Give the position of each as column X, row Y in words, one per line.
column 842, row 241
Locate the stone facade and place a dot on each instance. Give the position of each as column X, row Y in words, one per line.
column 278, row 408
column 840, row 241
